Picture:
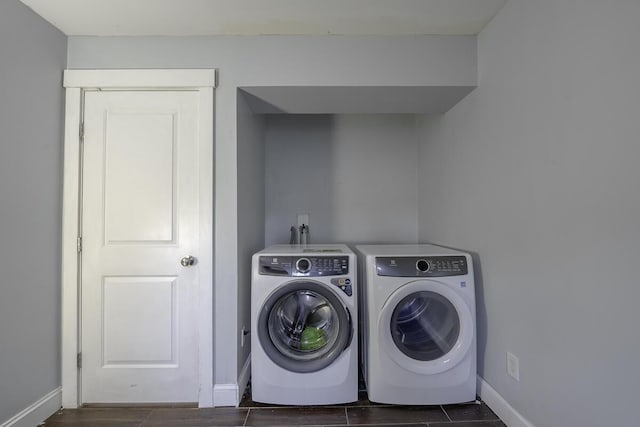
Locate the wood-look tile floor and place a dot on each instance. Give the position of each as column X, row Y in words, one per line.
column 363, row 413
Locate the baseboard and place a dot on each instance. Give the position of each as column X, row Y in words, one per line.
column 37, row 412
column 225, row 395
column 500, row 406
column 243, row 378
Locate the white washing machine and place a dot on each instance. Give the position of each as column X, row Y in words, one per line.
column 418, row 326
column 304, row 346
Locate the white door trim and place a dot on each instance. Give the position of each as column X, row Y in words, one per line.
column 75, row 81
column 127, row 79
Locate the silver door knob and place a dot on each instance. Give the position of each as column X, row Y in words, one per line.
column 188, row 261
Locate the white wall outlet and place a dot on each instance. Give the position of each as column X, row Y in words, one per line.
column 243, row 336
column 513, row 366
column 303, row 219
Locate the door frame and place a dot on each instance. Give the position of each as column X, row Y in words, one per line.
column 76, row 82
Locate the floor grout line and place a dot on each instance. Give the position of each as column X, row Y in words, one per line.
column 246, row 417
column 146, row 418
column 445, row 412
column 346, row 415
column 417, row 423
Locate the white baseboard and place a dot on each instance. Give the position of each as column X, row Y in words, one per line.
column 225, row 395
column 231, row 394
column 500, row 406
column 243, row 379
column 37, row 412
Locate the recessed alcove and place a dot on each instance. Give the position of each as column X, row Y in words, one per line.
column 347, row 156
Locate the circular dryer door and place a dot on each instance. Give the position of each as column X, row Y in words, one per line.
column 303, row 326
column 426, row 327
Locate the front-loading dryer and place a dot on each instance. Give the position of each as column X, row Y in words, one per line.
column 418, row 324
column 304, row 346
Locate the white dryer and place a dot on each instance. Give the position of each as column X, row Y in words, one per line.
column 418, row 324
column 304, row 346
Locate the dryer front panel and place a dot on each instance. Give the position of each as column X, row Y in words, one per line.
column 303, row 326
column 425, row 327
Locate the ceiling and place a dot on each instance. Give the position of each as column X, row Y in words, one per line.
column 266, row 17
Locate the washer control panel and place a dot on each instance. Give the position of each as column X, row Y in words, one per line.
column 304, row 266
column 425, row 266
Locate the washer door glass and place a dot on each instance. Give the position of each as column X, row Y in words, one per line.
column 304, row 327
column 425, row 326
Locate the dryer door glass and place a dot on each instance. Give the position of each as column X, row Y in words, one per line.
column 425, row 325
column 304, row 327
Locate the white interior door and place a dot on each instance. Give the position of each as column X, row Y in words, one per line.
column 139, row 329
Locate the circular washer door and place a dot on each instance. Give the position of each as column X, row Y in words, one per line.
column 426, row 327
column 303, row 326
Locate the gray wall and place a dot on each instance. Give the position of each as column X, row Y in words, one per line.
column 273, row 61
column 537, row 171
column 33, row 56
column 251, row 165
column 355, row 175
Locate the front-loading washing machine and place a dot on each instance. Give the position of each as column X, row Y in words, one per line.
column 304, row 346
column 418, row 324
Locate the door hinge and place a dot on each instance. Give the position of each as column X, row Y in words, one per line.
column 81, row 132
column 79, row 243
column 79, row 360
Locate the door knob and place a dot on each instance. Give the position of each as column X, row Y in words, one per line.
column 188, row 261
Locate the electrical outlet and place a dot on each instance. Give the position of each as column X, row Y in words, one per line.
column 243, row 336
column 513, row 366
column 303, row 219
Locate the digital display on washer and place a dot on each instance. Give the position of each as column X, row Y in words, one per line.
column 304, row 266
column 426, row 266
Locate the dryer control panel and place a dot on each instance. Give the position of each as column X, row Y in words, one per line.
column 304, row 266
column 425, row 266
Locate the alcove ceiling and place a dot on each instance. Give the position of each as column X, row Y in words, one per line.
column 266, row 17
column 353, row 99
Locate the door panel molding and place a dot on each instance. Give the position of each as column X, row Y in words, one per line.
column 76, row 82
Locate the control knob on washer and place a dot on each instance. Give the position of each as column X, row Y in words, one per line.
column 303, row 265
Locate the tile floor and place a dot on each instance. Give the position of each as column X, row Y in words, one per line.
column 251, row 413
